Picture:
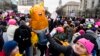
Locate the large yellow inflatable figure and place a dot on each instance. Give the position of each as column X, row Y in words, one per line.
column 38, row 20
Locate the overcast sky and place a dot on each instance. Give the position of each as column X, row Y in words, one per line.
column 53, row 4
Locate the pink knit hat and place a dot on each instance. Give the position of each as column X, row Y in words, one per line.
column 82, row 32
column 12, row 22
column 60, row 29
column 88, row 45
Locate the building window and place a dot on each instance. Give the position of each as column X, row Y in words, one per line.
column 85, row 4
column 99, row 1
column 99, row 4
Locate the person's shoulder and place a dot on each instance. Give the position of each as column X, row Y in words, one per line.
column 69, row 49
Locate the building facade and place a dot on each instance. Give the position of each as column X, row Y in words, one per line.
column 28, row 2
column 89, row 8
column 25, row 5
column 69, row 8
column 83, row 4
column 8, row 5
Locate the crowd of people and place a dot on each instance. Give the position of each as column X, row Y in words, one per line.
column 65, row 36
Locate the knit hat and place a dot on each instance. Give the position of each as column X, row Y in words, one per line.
column 12, row 22
column 88, row 36
column 60, row 29
column 82, row 32
column 8, row 47
column 88, row 45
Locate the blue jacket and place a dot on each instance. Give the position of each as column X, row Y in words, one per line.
column 42, row 38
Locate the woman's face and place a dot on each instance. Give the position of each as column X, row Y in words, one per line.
column 15, row 51
column 80, row 48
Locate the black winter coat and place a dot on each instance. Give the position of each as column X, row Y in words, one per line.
column 68, row 51
column 23, row 38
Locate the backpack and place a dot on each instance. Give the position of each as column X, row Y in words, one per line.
column 98, row 41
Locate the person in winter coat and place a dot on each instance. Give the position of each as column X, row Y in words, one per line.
column 1, row 39
column 42, row 42
column 23, row 37
column 81, row 32
column 11, row 29
column 69, row 31
column 80, row 27
column 98, row 41
column 1, row 42
column 83, row 47
column 60, row 38
column 10, row 48
column 91, row 38
column 3, row 24
column 92, row 33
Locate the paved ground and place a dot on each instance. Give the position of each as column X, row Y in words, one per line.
column 38, row 53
